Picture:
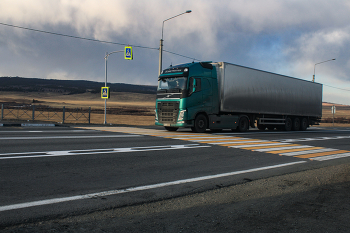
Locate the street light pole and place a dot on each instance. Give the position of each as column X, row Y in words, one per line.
column 313, row 77
column 161, row 41
column 106, row 58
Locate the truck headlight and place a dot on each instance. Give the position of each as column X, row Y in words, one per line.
column 181, row 116
column 155, row 111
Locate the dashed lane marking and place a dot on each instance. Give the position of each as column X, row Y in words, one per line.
column 41, row 154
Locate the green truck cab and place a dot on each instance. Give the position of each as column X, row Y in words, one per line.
column 187, row 94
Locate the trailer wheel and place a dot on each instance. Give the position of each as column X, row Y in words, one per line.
column 170, row 128
column 296, row 124
column 288, row 124
column 243, row 124
column 304, row 124
column 200, row 124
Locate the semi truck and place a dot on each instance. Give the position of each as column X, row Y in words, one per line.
column 220, row 95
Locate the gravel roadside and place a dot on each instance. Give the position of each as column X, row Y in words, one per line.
column 310, row 201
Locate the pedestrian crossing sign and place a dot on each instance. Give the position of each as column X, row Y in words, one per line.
column 105, row 93
column 128, row 53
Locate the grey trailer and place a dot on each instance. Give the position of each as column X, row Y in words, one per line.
column 270, row 97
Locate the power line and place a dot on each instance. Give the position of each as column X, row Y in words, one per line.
column 94, row 40
column 77, row 37
column 181, row 55
column 336, row 87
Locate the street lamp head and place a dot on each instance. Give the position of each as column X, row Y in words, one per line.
column 161, row 41
column 313, row 77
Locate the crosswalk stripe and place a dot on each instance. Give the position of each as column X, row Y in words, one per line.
column 309, row 151
column 270, row 146
column 183, row 137
column 281, row 147
column 329, row 157
column 287, row 151
column 285, row 147
column 208, row 139
column 248, row 145
column 250, row 142
column 238, row 142
column 303, row 147
column 273, row 146
column 222, row 139
column 321, row 154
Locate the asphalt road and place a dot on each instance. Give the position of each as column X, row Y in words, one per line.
column 60, row 171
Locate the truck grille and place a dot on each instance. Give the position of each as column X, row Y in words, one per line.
column 168, row 112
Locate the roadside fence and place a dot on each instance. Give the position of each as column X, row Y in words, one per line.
column 45, row 113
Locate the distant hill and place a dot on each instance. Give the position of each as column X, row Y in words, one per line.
column 68, row 87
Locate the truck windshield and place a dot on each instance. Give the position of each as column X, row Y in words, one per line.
column 177, row 84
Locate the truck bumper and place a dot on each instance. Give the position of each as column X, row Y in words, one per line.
column 186, row 124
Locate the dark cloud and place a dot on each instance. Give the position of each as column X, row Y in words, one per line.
column 286, row 37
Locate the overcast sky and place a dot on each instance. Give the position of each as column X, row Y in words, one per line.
column 282, row 36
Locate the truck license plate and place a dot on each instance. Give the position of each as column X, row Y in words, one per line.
column 167, row 124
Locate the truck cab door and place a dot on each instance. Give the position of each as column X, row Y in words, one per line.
column 207, row 95
column 194, row 101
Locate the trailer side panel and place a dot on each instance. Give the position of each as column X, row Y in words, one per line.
column 246, row 90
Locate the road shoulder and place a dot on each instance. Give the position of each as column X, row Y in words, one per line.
column 313, row 200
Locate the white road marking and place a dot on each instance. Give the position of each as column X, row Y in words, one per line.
column 318, row 130
column 139, row 188
column 311, row 139
column 70, row 137
column 257, row 145
column 50, row 131
column 282, row 148
column 238, row 142
column 41, row 154
column 329, row 157
column 308, row 152
column 202, row 139
column 221, row 139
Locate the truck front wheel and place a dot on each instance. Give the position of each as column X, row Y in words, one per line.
column 200, row 124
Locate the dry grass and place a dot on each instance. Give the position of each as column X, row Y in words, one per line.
column 342, row 114
column 80, row 100
column 140, row 106
column 126, row 108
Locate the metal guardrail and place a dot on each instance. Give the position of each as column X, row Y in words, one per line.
column 45, row 113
